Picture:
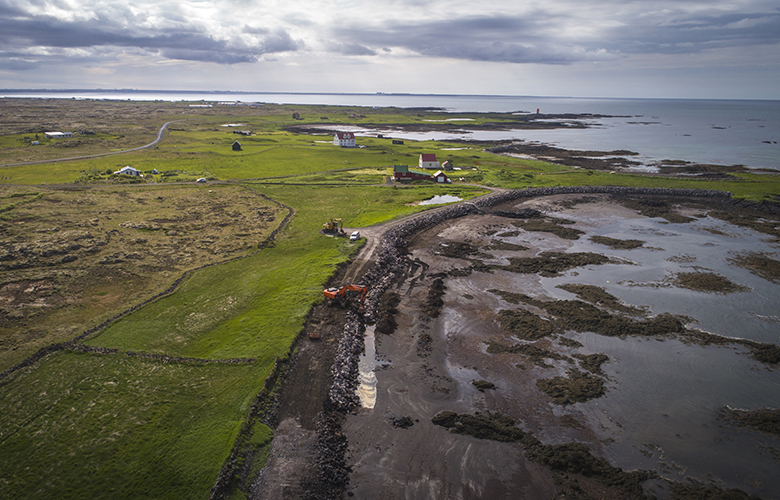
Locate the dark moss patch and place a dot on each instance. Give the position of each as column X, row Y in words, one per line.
column 571, row 422
column 536, row 355
column 503, row 245
column 509, row 234
column 755, row 222
column 386, row 313
column 592, row 362
column 616, row 243
column 433, row 302
column 706, row 282
column 600, row 297
column 695, row 490
column 424, row 345
column 493, row 426
column 578, row 387
column 483, row 385
column 759, row 264
column 766, row 353
column 555, row 226
column 524, row 213
column 765, row 419
column 655, row 207
column 402, row 422
column 524, row 324
column 460, row 272
column 582, row 317
column 458, row 250
column 550, row 264
column 567, row 342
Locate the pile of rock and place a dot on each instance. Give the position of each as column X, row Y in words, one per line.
column 343, row 390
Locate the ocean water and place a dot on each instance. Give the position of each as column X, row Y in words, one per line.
column 721, row 132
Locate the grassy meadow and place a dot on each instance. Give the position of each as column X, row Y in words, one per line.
column 81, row 245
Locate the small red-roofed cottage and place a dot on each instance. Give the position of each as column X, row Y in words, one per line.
column 441, row 177
column 403, row 174
column 428, row 160
column 344, row 139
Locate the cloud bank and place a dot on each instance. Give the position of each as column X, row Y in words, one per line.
column 254, row 34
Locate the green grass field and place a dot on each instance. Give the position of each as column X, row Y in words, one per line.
column 90, row 425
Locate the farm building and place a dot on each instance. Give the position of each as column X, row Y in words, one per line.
column 428, row 160
column 57, row 135
column 128, row 170
column 236, row 146
column 403, row 174
column 441, row 177
column 344, row 139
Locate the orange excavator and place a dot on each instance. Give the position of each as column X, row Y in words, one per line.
column 341, row 296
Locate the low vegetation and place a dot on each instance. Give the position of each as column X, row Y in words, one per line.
column 151, row 404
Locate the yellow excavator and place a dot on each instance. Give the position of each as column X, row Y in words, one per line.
column 333, row 226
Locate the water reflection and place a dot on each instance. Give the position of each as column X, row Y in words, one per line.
column 366, row 365
column 440, row 199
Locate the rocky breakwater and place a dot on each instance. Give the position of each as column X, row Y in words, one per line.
column 330, row 474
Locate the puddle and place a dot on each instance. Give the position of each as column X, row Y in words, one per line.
column 439, row 199
column 367, row 378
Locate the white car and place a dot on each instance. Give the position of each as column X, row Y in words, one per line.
column 201, row 180
column 354, row 236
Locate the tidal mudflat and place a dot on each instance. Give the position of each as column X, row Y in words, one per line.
column 620, row 334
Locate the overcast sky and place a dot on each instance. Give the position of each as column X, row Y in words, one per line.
column 601, row 48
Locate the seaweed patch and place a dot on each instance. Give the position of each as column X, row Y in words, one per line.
column 554, row 226
column 617, row 244
column 707, row 282
column 536, row 355
column 524, row 324
column 550, row 264
column 765, row 419
column 578, row 387
column 759, row 264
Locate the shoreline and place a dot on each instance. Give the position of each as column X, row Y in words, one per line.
column 333, row 456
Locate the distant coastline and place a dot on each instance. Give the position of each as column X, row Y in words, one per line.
column 702, row 131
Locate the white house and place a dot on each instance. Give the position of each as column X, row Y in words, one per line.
column 57, row 135
column 428, row 160
column 344, row 139
column 128, row 170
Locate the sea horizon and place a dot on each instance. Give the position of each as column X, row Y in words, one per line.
column 378, row 93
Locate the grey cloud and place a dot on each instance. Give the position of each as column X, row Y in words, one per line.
column 15, row 63
column 22, row 31
column 497, row 39
column 351, row 49
column 540, row 37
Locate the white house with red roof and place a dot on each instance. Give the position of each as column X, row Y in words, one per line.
column 344, row 139
column 428, row 160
